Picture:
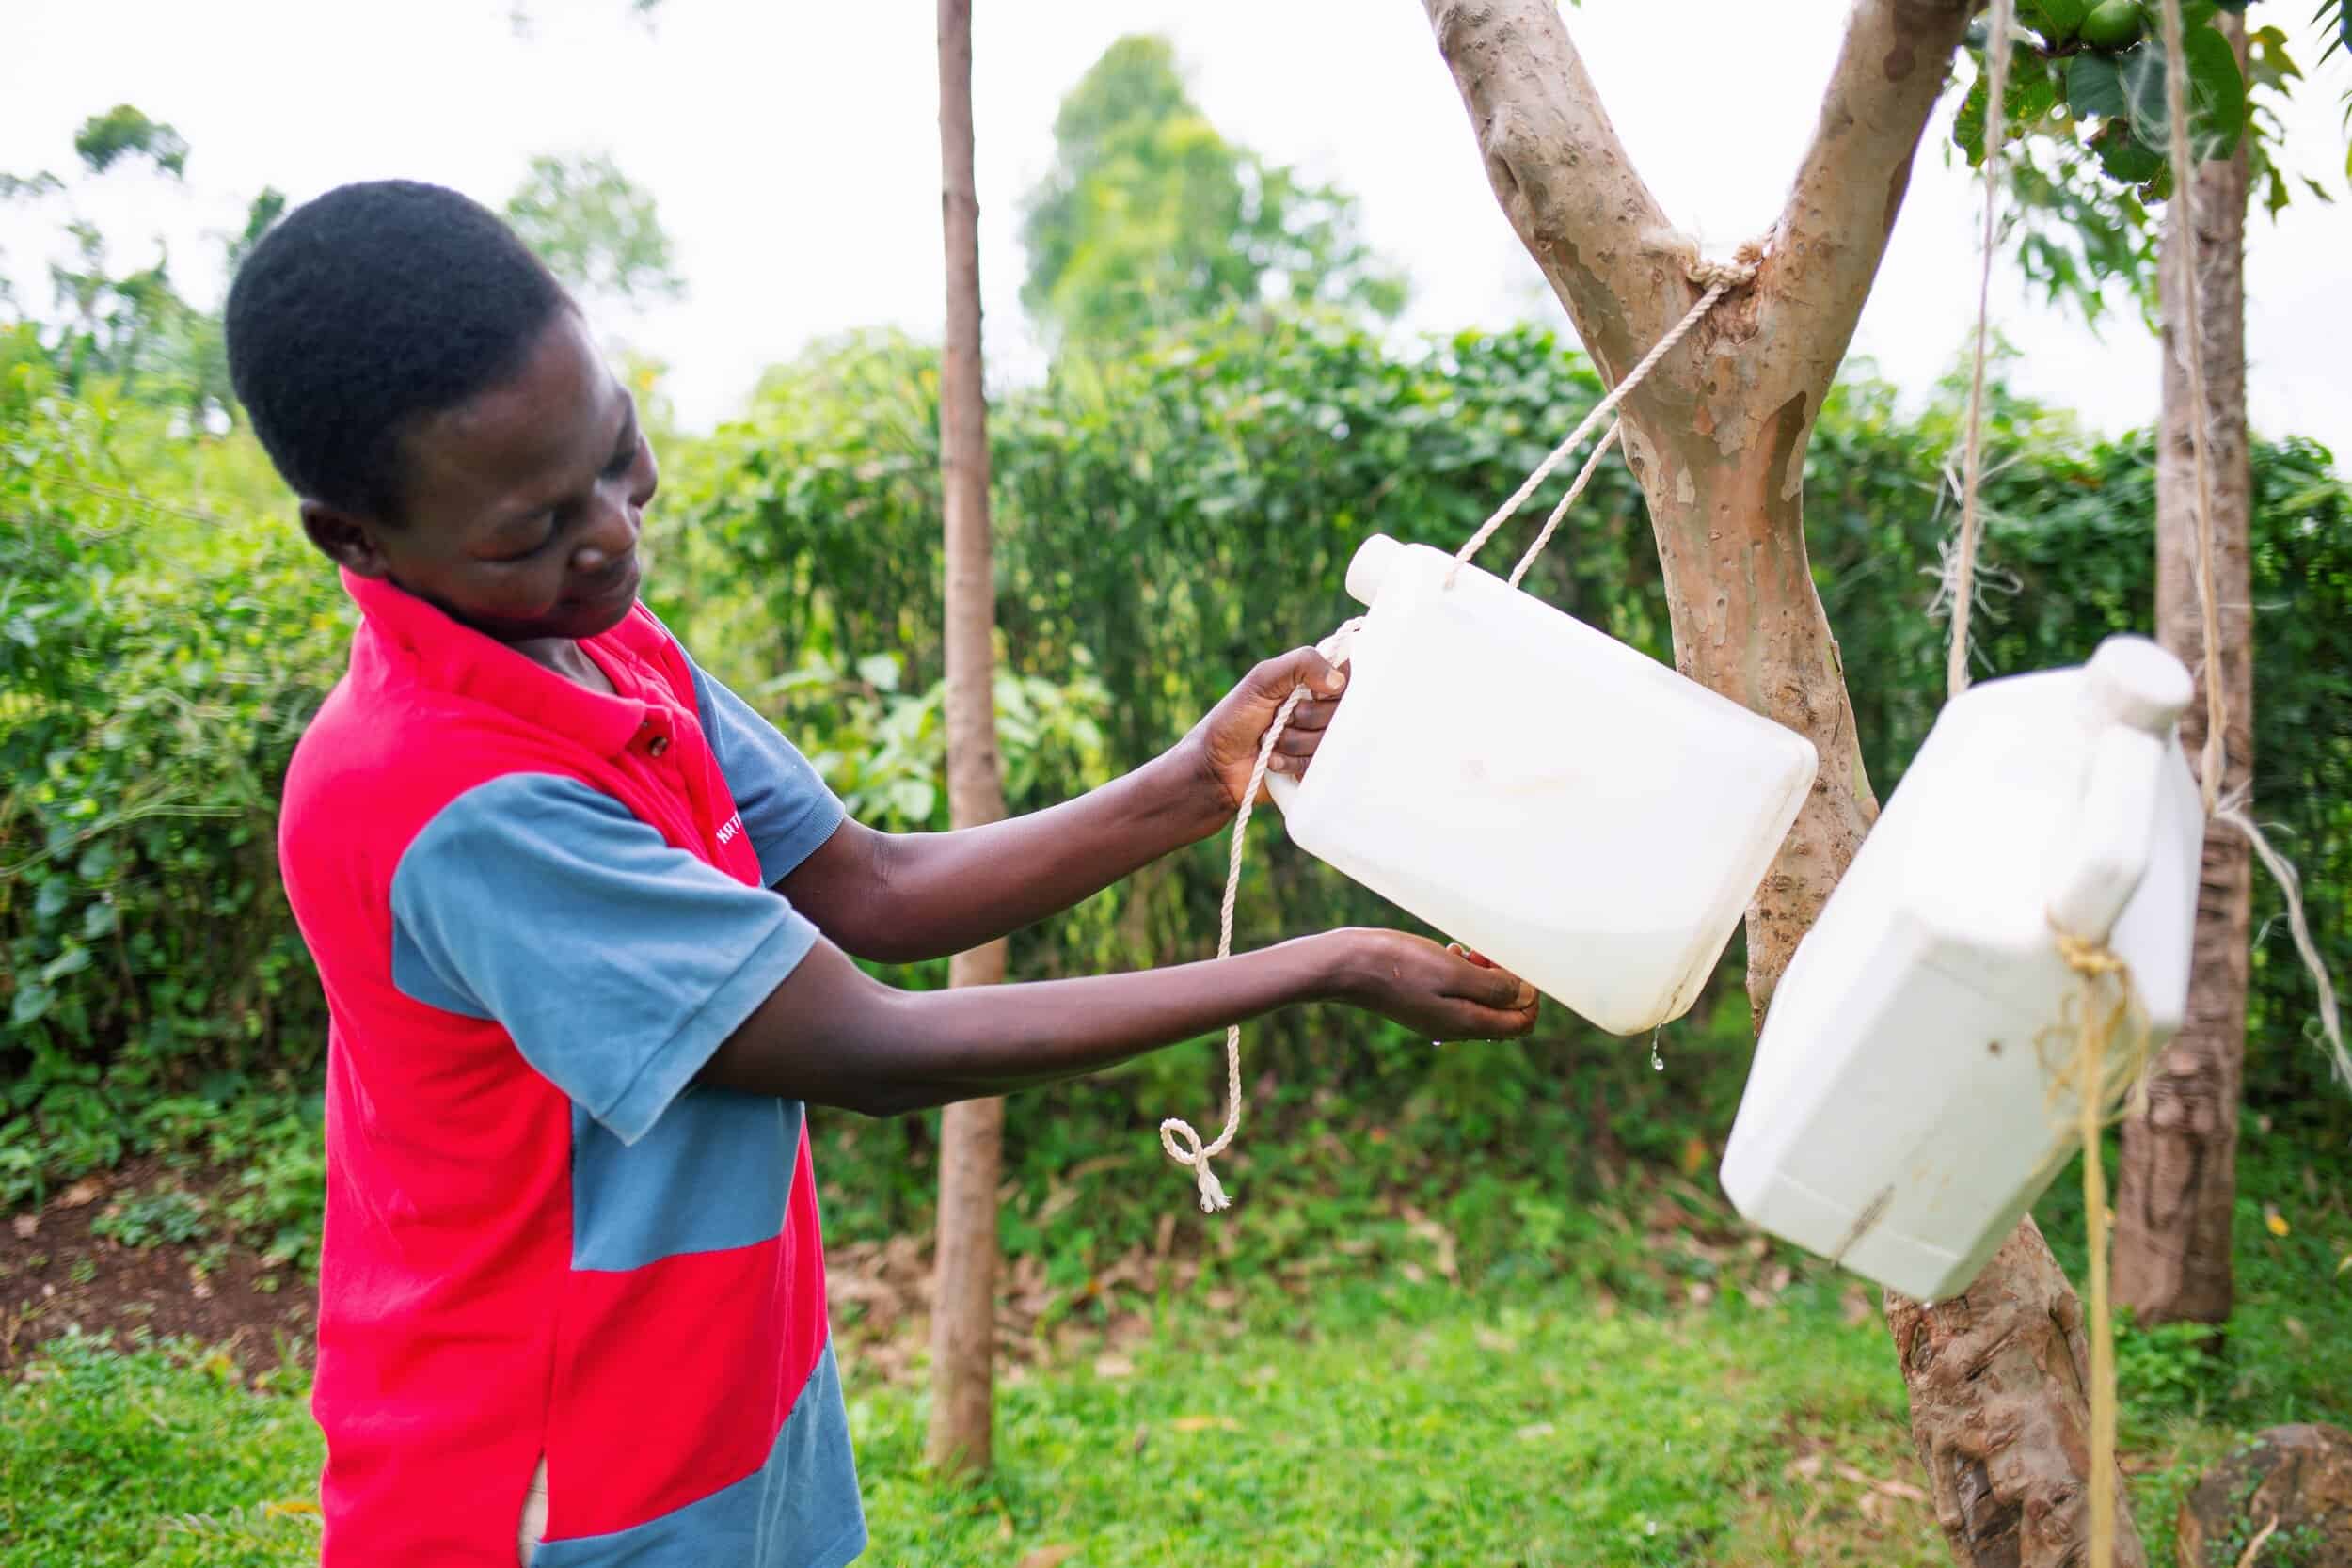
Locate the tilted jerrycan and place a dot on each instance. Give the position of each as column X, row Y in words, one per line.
column 1577, row 812
column 1901, row 1112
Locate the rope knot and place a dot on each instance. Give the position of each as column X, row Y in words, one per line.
column 1196, row 1160
column 1737, row 273
column 2091, row 960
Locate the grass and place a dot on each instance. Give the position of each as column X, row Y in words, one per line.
column 1383, row 1423
column 1392, row 1425
column 1467, row 1343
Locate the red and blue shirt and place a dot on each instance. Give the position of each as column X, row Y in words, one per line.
column 536, row 910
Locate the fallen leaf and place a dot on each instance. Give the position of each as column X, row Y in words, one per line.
column 28, row 1225
column 1202, row 1423
column 1807, row 1467
column 82, row 1194
column 2275, row 1221
column 1534, row 1431
column 1113, row 1365
column 1049, row 1556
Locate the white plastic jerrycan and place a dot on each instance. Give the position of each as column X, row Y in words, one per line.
column 1577, row 812
column 1898, row 1117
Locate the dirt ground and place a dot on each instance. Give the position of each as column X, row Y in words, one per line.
column 56, row 1274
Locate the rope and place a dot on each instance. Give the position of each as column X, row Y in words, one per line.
column 1177, row 1136
column 2104, row 1003
column 1718, row 279
column 1180, row 1138
column 1551, row 524
column 1963, row 567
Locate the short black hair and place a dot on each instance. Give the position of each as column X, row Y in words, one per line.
column 367, row 309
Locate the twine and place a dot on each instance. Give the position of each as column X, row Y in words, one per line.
column 1180, row 1138
column 1717, row 279
column 1963, row 578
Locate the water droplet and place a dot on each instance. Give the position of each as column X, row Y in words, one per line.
column 1658, row 1063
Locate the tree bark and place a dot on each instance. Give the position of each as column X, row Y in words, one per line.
column 1717, row 438
column 2179, row 1177
column 971, row 1135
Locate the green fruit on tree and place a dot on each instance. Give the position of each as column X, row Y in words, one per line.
column 2114, row 24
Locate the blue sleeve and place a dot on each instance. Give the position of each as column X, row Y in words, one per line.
column 617, row 961
column 787, row 809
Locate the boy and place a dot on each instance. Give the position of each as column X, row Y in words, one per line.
column 584, row 922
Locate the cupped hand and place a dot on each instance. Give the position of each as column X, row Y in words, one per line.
column 1441, row 991
column 1227, row 741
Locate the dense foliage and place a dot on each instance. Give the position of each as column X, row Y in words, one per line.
column 1165, row 520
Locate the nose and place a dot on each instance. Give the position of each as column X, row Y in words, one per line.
column 610, row 536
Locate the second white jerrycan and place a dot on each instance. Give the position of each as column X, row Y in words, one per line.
column 1577, row 812
column 1901, row 1113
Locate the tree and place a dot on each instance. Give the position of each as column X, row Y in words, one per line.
column 1716, row 436
column 971, row 1134
column 596, row 230
column 1150, row 217
column 132, row 327
column 2178, row 1181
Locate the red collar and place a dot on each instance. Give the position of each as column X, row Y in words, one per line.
column 453, row 657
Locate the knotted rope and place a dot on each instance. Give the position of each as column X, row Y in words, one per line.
column 1178, row 1137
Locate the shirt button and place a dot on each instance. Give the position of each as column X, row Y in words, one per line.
column 658, row 745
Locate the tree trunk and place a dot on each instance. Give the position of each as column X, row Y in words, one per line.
column 2179, row 1177
column 1717, row 438
column 971, row 1135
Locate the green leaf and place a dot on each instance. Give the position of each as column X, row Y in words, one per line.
column 71, row 962
column 879, row 671
column 913, row 799
column 2125, row 157
column 31, row 1005
column 98, row 920
column 2056, row 20
column 2217, row 94
column 2094, row 86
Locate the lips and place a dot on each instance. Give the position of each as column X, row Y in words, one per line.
column 617, row 583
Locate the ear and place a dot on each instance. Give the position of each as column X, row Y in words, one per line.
column 348, row 540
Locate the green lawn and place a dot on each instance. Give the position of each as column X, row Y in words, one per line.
column 1669, row 1399
column 1387, row 1425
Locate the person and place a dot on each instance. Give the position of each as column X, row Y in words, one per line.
column 585, row 924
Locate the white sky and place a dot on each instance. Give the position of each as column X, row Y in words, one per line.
column 793, row 147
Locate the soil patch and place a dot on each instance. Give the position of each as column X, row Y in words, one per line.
column 58, row 1273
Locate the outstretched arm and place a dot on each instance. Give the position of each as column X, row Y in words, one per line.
column 830, row 1035
column 898, row 898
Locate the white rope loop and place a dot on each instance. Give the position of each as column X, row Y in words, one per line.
column 1177, row 1136
column 1718, row 279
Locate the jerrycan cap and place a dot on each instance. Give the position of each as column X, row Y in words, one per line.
column 2132, row 681
column 1370, row 568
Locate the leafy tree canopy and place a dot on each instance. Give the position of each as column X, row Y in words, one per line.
column 1150, row 217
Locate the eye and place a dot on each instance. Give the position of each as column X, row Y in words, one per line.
column 623, row 460
column 529, row 550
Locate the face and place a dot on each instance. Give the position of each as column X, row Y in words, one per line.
column 524, row 504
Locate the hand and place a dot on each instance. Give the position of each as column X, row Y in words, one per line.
column 1441, row 991
column 1226, row 742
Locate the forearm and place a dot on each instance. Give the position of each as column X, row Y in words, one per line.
column 832, row 1035
column 922, row 895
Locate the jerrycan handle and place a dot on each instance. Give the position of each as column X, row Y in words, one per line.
column 1282, row 788
column 2134, row 693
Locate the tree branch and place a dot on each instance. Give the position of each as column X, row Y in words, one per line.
column 1563, row 177
column 1825, row 251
